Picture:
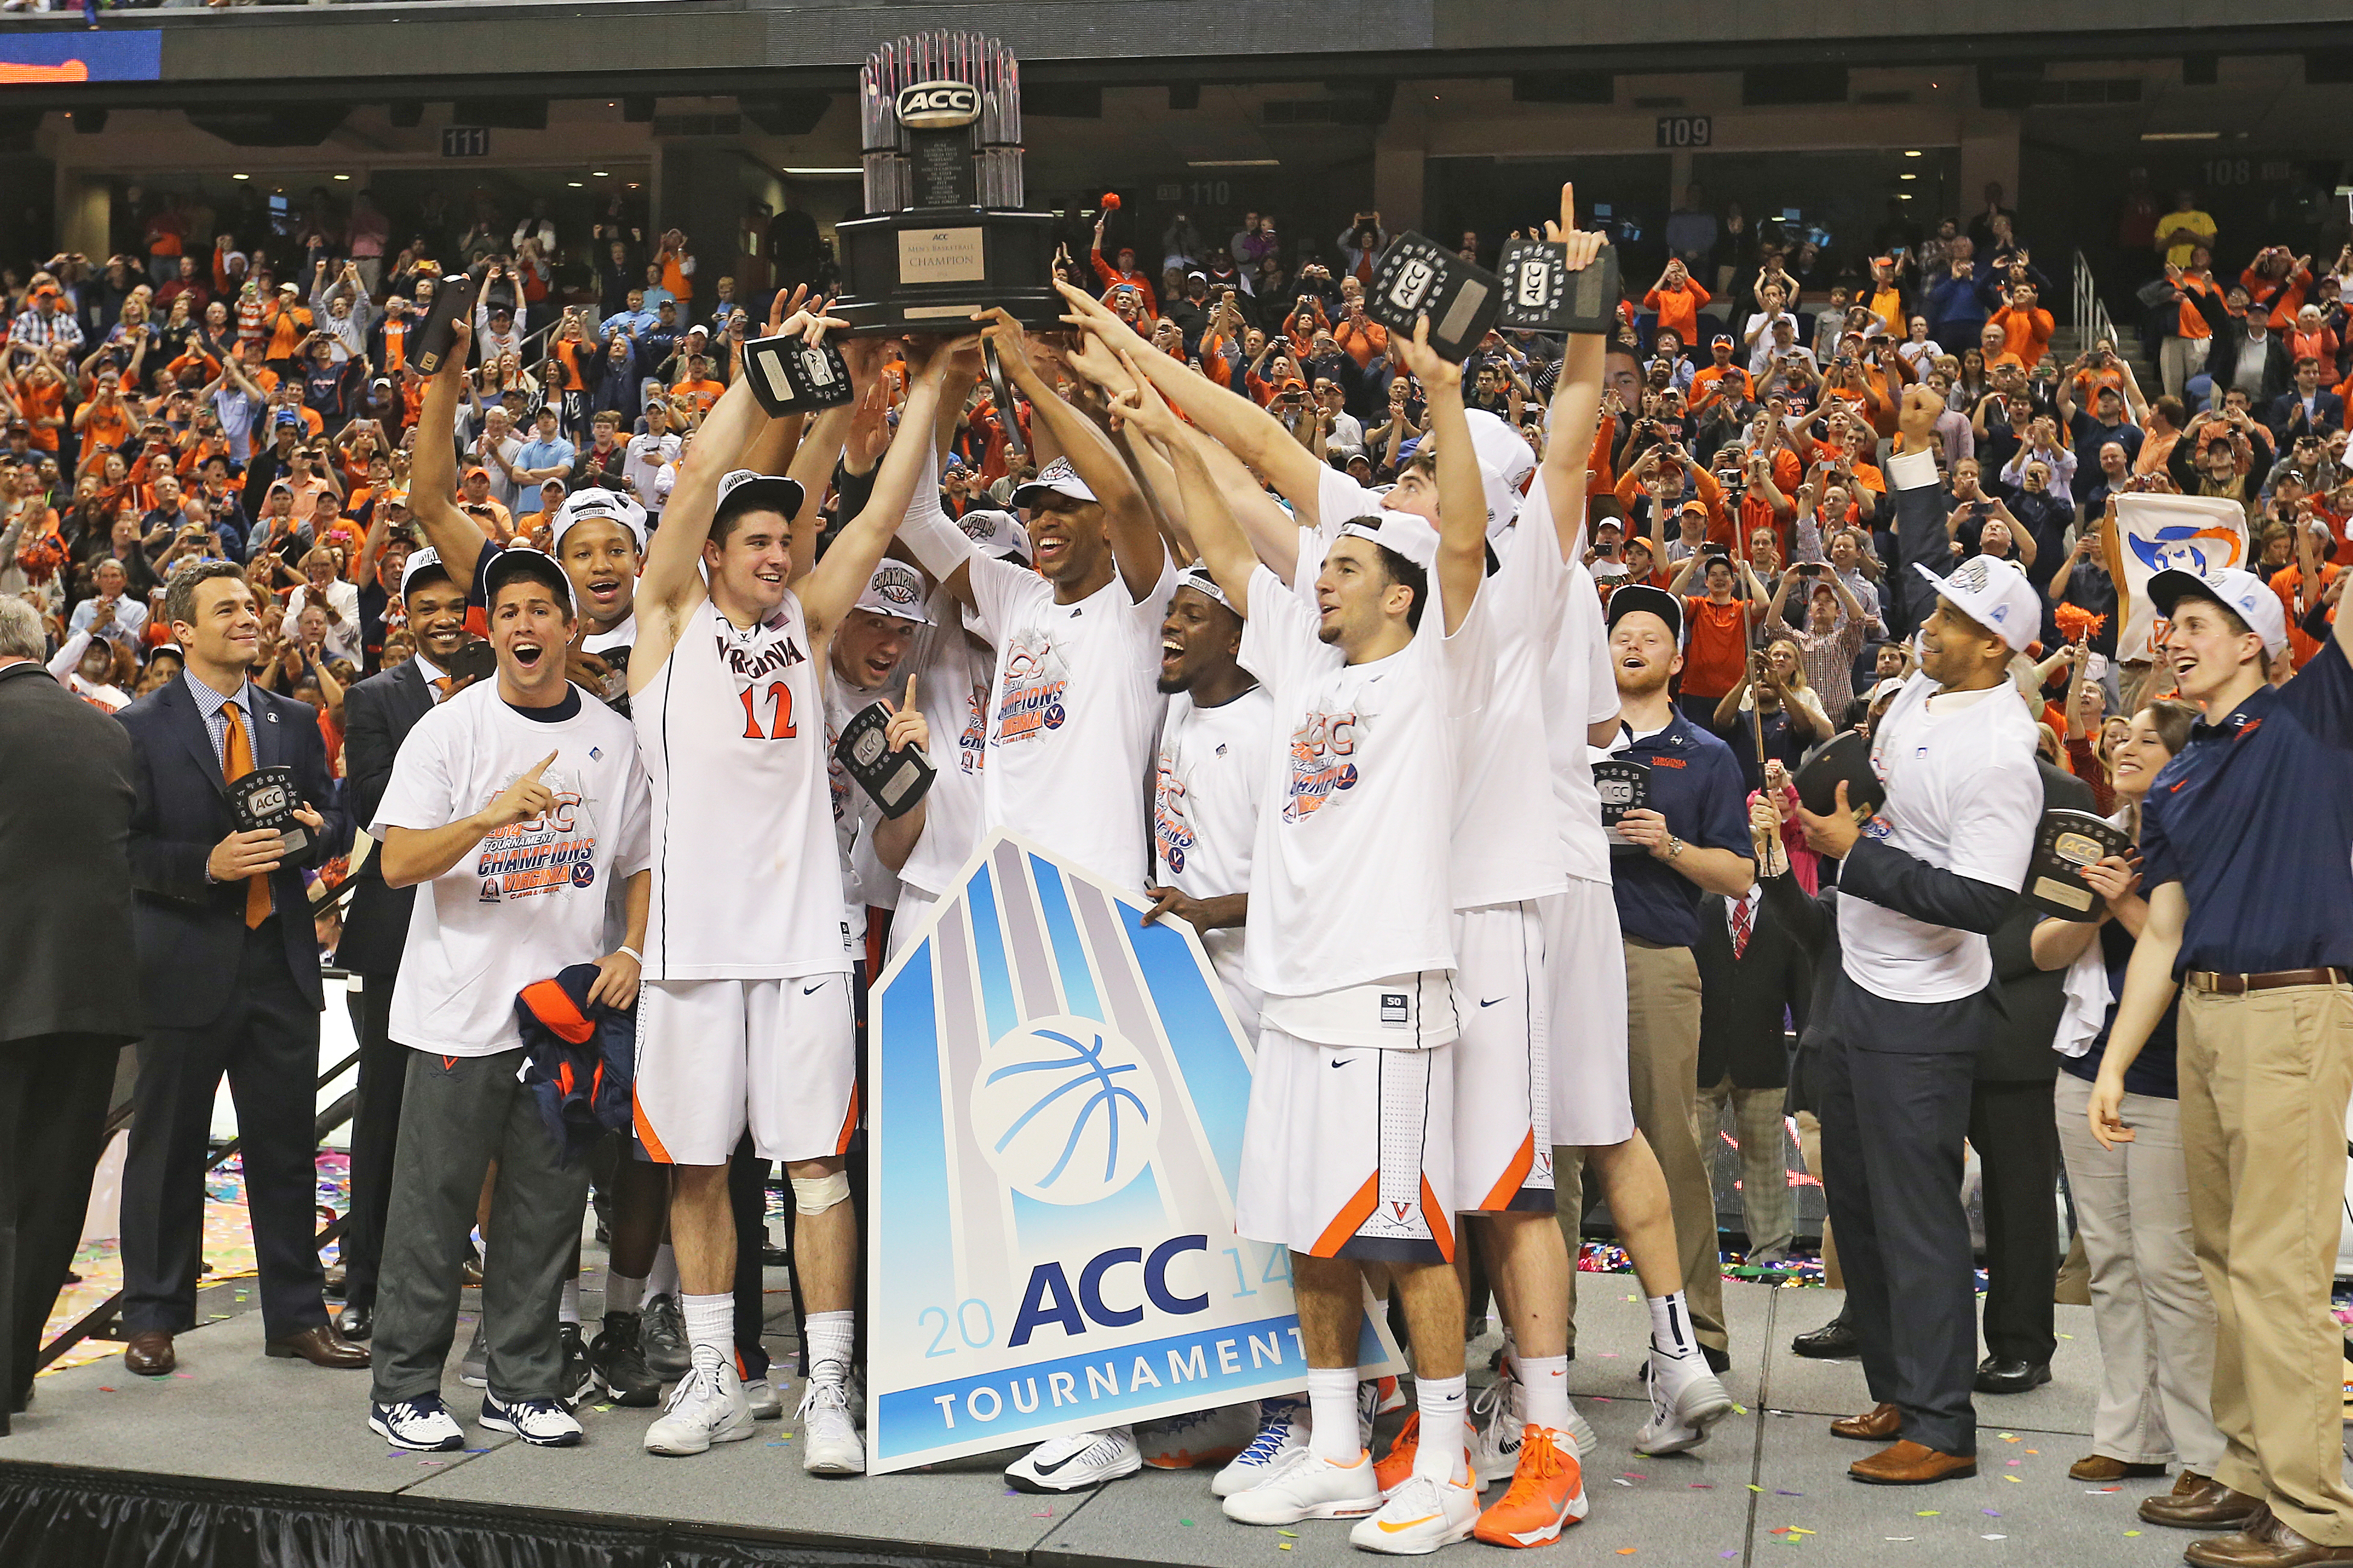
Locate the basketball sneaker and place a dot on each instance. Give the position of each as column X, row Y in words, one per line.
column 1077, row 1462
column 706, row 1407
column 1419, row 1517
column 1685, row 1401
column 1197, row 1437
column 663, row 1335
column 1302, row 1484
column 1495, row 1443
column 829, row 1442
column 1547, row 1491
column 1282, row 1426
column 1396, row 1467
column 761, row 1398
column 620, row 1362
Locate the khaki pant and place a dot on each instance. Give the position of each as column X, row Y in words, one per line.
column 2148, row 1301
column 1662, row 1071
column 2264, row 1082
column 1765, row 1204
column 1809, row 1150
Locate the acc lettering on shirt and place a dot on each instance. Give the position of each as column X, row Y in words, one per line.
column 555, row 850
column 1319, row 749
column 1035, row 684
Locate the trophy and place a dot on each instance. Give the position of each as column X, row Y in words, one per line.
column 265, row 798
column 940, row 130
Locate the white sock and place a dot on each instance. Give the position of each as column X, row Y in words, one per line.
column 1440, row 1400
column 567, row 1309
column 1671, row 1331
column 1332, row 1414
column 711, row 1326
column 1543, row 1382
column 828, row 1340
column 662, row 1278
column 622, row 1294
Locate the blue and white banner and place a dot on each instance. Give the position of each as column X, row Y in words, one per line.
column 2198, row 534
column 1056, row 1093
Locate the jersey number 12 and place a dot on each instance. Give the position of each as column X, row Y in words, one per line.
column 781, row 695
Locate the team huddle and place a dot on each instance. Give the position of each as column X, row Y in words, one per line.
column 1347, row 736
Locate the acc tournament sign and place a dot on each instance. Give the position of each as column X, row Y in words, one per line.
column 1057, row 1098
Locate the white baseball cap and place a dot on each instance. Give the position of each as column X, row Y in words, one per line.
column 998, row 534
column 1408, row 536
column 1506, row 461
column 581, row 506
column 1995, row 595
column 1058, row 477
column 2242, row 593
column 896, row 590
column 419, row 564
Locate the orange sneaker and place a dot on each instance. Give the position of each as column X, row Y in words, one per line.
column 1394, row 1468
column 1548, row 1492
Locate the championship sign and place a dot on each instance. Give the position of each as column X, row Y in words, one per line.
column 1057, row 1098
column 2196, row 533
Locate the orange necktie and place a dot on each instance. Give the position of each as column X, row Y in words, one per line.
column 237, row 761
column 441, row 684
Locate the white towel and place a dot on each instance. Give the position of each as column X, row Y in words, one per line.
column 2088, row 1003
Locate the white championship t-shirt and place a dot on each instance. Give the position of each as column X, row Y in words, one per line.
column 530, row 897
column 865, row 880
column 1962, row 795
column 1205, row 800
column 953, row 685
column 1076, row 712
column 1350, row 882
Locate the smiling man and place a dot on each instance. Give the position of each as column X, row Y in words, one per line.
column 2246, row 842
column 1899, row 1024
column 522, row 808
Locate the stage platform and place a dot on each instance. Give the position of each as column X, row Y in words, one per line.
column 270, row 1462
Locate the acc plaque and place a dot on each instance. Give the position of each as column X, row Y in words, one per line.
column 2064, row 843
column 945, row 234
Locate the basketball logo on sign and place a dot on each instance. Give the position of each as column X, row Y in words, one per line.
column 1065, row 1110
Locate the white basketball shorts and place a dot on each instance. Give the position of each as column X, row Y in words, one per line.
column 716, row 1057
column 1503, row 1061
column 1348, row 1151
column 1592, row 1102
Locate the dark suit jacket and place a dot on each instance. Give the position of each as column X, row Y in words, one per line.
column 2284, row 415
column 190, row 931
column 2020, row 1051
column 379, row 714
column 1742, row 1001
column 65, row 826
column 2222, row 365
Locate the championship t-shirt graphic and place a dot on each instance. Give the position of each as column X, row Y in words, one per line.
column 551, row 851
column 1035, row 684
column 1171, row 833
column 972, row 746
column 1323, row 752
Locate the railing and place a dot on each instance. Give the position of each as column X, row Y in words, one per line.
column 2092, row 321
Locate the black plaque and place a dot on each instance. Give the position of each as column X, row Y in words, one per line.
column 1624, row 787
column 1541, row 294
column 894, row 780
column 1418, row 277
column 264, row 801
column 2064, row 843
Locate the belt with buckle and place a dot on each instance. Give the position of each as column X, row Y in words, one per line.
column 2240, row 985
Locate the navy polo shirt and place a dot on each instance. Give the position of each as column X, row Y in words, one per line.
column 1696, row 785
column 2254, row 819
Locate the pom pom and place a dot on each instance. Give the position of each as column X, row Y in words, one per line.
column 2077, row 624
column 1110, row 201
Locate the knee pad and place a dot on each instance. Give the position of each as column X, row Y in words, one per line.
column 816, row 1194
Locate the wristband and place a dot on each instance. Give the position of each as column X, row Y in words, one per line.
column 625, row 947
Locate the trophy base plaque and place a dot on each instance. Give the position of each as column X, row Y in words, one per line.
column 927, row 269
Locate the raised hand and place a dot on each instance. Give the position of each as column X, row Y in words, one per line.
column 521, row 800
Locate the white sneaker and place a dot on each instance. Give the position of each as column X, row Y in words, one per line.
column 706, row 1407
column 422, row 1425
column 1495, row 1445
column 541, row 1423
column 1581, row 1432
column 858, row 1397
column 829, row 1442
column 1422, row 1516
column 760, row 1397
column 1302, row 1484
column 1282, row 1426
column 1197, row 1437
column 474, row 1366
column 1685, row 1401
column 1075, row 1463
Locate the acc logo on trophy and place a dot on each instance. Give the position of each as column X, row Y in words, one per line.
column 938, row 105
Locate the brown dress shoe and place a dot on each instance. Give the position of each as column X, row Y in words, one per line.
column 321, row 1347
column 2100, row 1468
column 1877, row 1424
column 2235, row 1547
column 2199, row 1502
column 1910, row 1464
column 148, row 1354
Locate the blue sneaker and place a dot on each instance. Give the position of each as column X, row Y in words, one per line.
column 541, row 1423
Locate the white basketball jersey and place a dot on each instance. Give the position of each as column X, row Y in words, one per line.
column 746, row 883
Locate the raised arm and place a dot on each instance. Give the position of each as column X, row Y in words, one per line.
column 1462, row 498
column 1217, row 538
column 1575, row 412
column 833, row 586
column 433, row 474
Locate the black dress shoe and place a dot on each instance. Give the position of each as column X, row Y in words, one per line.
column 1835, row 1340
column 355, row 1323
column 1998, row 1376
